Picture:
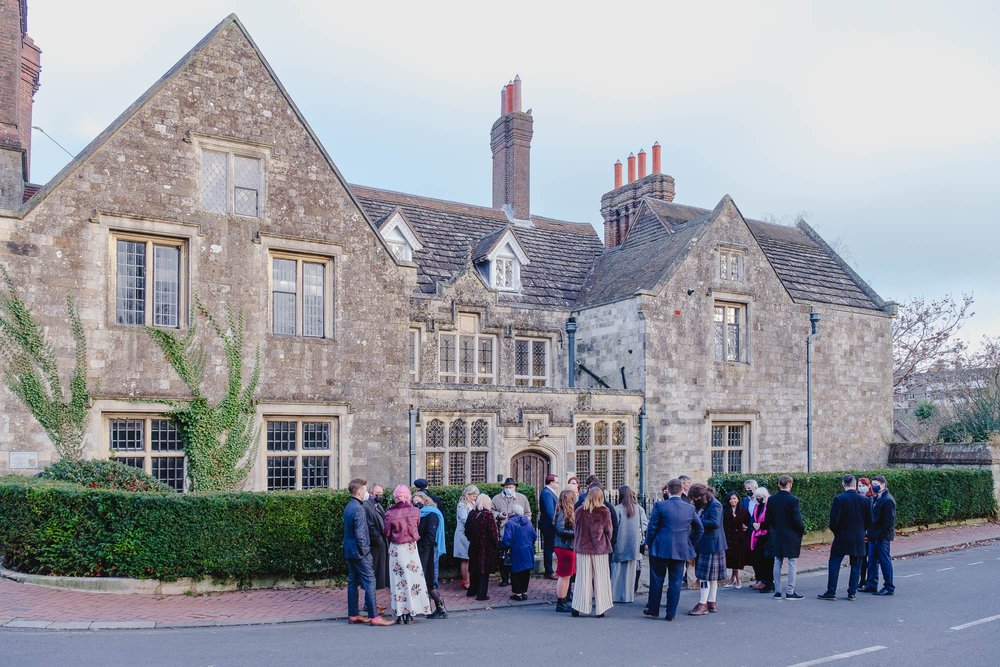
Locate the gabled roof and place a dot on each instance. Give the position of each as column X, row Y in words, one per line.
column 561, row 253
column 230, row 21
column 487, row 246
column 397, row 219
column 664, row 232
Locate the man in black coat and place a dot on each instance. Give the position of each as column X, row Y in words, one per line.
column 880, row 538
column 375, row 514
column 784, row 521
column 850, row 519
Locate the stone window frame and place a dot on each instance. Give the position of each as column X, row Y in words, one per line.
column 440, row 453
column 301, row 260
column 309, row 250
column 151, row 242
column 335, row 414
column 606, row 438
column 727, row 254
column 158, row 231
column 531, row 379
column 414, row 344
column 467, row 325
column 744, row 304
column 146, row 455
column 726, row 425
column 232, row 149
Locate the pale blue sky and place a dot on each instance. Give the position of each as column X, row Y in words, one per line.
column 881, row 125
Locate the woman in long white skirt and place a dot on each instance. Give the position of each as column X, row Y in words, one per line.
column 631, row 529
column 406, row 576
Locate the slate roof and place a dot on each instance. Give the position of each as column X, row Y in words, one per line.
column 561, row 253
column 651, row 252
column 664, row 232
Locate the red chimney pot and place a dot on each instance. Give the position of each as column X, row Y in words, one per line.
column 510, row 97
column 618, row 174
column 656, row 158
column 631, row 167
column 517, row 93
column 642, row 163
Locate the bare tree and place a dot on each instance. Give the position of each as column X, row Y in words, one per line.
column 977, row 408
column 925, row 335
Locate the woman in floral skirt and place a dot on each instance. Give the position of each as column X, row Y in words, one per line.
column 406, row 577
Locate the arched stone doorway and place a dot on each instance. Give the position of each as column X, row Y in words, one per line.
column 530, row 467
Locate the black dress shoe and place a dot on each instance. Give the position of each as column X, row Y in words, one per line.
column 851, row 597
column 669, row 618
column 884, row 591
column 867, row 589
column 827, row 596
column 646, row 612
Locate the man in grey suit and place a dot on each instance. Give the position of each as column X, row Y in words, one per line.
column 674, row 529
column 850, row 519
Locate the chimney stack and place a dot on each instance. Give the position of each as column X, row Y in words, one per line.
column 510, row 140
column 18, row 85
column 620, row 206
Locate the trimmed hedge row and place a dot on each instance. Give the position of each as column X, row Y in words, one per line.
column 104, row 474
column 922, row 496
column 49, row 527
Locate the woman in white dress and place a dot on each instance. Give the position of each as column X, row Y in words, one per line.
column 631, row 532
column 406, row 576
column 460, row 550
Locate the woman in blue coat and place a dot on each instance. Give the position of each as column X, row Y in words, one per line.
column 711, row 548
column 519, row 536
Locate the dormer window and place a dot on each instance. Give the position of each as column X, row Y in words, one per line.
column 500, row 258
column 399, row 235
column 503, row 273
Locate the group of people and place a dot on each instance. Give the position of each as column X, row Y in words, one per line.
column 593, row 548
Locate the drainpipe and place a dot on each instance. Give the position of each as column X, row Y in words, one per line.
column 642, row 452
column 413, row 444
column 813, row 323
column 571, row 333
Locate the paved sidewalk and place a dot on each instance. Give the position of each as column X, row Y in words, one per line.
column 31, row 606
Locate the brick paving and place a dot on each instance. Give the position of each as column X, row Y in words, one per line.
column 32, row 606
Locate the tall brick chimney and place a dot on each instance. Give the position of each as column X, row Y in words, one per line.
column 618, row 207
column 510, row 140
column 19, row 77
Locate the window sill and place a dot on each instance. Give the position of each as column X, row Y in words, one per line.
column 142, row 327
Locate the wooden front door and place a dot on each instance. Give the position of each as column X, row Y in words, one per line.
column 530, row 467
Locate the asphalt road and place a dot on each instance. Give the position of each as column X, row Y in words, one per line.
column 946, row 612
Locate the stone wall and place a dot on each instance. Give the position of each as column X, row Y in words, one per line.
column 144, row 178
column 972, row 455
column 687, row 390
column 609, row 338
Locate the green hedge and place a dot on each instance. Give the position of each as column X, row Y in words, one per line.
column 922, row 496
column 104, row 474
column 49, row 527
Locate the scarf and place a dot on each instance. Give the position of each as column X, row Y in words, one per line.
column 424, row 511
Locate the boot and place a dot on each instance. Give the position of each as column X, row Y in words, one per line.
column 712, row 609
column 699, row 610
column 563, row 606
column 440, row 611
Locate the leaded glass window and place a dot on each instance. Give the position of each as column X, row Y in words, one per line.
column 729, row 447
column 503, row 270
column 469, row 356
column 729, row 319
column 731, row 265
column 465, row 460
column 298, row 296
column 531, row 362
column 301, row 452
column 152, row 444
column 602, row 446
column 136, row 259
column 231, row 183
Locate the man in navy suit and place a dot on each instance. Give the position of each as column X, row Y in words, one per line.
column 358, row 554
column 674, row 529
column 850, row 519
column 880, row 538
column 548, row 499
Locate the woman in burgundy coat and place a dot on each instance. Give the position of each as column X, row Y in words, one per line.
column 481, row 529
column 736, row 522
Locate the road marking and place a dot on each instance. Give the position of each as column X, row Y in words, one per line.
column 945, row 568
column 972, row 623
column 904, row 576
column 843, row 656
column 978, row 562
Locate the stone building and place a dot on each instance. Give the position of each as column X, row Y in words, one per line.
column 469, row 342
